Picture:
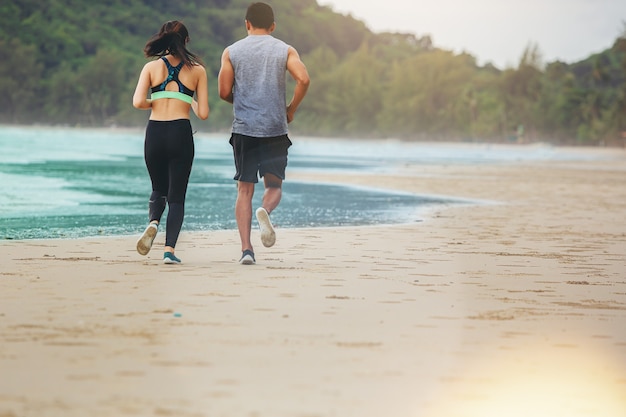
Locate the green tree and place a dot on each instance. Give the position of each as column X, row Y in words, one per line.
column 313, row 114
column 353, row 96
column 483, row 103
column 101, row 80
column 619, row 48
column 425, row 95
column 63, row 104
column 521, row 92
column 19, row 81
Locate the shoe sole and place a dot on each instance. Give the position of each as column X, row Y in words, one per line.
column 144, row 244
column 268, row 235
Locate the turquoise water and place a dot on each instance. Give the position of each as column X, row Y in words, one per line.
column 66, row 183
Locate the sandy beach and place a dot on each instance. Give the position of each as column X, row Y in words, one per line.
column 512, row 307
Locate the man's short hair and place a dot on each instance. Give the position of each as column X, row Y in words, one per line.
column 260, row 15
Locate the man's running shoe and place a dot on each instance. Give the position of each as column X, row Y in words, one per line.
column 247, row 258
column 268, row 235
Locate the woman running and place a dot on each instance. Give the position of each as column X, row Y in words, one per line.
column 173, row 79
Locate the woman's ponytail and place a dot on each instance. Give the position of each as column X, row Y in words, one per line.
column 172, row 39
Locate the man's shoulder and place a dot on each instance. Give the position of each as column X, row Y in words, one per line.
column 256, row 39
column 236, row 43
column 280, row 41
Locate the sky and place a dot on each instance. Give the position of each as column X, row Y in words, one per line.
column 498, row 31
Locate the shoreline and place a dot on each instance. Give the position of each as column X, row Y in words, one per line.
column 510, row 308
column 140, row 129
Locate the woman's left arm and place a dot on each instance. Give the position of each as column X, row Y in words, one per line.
column 140, row 98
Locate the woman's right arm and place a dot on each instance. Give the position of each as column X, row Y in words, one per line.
column 140, row 98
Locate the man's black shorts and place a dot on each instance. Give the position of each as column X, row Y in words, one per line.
column 256, row 157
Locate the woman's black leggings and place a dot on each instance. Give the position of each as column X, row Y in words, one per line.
column 169, row 152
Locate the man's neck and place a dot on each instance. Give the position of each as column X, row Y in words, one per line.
column 257, row 32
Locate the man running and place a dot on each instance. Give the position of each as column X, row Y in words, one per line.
column 252, row 78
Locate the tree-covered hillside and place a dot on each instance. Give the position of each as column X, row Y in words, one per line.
column 76, row 62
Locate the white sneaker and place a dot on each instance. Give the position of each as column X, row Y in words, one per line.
column 144, row 244
column 268, row 235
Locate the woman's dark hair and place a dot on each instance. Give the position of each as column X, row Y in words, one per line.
column 172, row 39
column 260, row 15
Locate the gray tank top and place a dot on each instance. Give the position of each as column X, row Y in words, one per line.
column 259, row 102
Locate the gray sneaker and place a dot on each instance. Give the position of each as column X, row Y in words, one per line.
column 247, row 258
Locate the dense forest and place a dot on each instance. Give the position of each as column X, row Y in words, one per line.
column 76, row 62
